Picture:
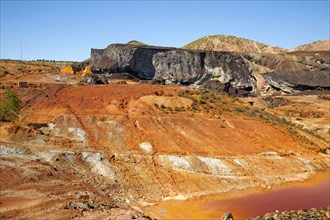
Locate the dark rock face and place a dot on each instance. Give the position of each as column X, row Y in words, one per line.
column 172, row 65
column 293, row 82
column 78, row 66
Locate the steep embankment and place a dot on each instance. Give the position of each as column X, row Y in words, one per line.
column 232, row 44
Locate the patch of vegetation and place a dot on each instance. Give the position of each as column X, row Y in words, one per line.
column 287, row 114
column 10, row 107
column 313, row 134
column 218, row 104
column 200, row 99
column 135, row 42
column 169, row 94
column 80, row 84
column 52, row 61
column 182, row 93
column 4, row 73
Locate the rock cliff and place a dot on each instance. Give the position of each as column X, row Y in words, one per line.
column 172, row 65
column 293, row 82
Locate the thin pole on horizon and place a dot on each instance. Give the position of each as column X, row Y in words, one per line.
column 21, row 51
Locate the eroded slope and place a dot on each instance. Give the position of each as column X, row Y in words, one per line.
column 132, row 144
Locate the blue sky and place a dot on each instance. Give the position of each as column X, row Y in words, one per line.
column 67, row 30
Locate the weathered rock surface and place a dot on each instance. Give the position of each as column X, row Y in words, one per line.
column 95, row 79
column 322, row 213
column 290, row 72
column 293, row 82
column 172, row 65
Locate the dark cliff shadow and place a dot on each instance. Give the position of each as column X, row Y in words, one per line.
column 141, row 63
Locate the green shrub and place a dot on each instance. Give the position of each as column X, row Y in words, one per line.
column 10, row 107
column 200, row 99
column 239, row 109
column 194, row 107
column 286, row 113
column 181, row 93
column 6, row 72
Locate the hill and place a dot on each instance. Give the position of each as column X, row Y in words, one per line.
column 135, row 42
column 232, row 44
column 322, row 45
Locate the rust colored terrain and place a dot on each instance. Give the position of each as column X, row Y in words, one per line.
column 106, row 151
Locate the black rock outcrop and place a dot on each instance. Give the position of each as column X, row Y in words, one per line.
column 294, row 82
column 172, row 65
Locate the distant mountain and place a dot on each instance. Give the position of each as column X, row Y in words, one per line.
column 135, row 42
column 233, row 44
column 323, row 45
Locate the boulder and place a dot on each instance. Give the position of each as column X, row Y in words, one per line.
column 227, row 216
column 95, row 79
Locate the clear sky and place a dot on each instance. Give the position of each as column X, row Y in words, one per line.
column 67, row 30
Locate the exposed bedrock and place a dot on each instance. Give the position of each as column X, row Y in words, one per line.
column 293, row 82
column 172, row 65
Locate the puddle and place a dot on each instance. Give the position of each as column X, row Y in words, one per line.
column 246, row 205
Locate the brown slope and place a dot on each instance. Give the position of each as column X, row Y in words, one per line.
column 322, row 45
column 233, row 44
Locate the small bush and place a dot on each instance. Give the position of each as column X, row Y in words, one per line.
column 239, row 109
column 194, row 107
column 9, row 109
column 80, row 84
column 6, row 72
column 200, row 99
column 286, row 113
column 181, row 93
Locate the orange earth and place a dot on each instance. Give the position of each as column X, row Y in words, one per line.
column 109, row 151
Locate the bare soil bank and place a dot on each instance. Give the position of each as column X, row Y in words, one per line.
column 313, row 193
